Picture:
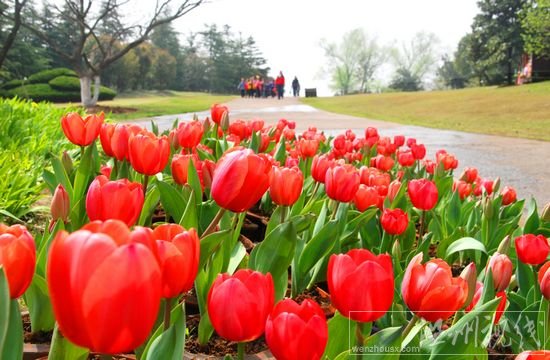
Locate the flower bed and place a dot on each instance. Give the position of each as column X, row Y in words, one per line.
column 218, row 234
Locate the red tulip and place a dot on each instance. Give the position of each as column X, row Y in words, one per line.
column 218, row 112
column 178, row 254
column 240, row 179
column 509, row 195
column 342, row 182
column 296, row 332
column 384, row 163
column 319, row 167
column 449, row 161
column 81, row 131
column 106, row 170
column 502, row 268
column 17, row 258
column 393, row 189
column 532, row 249
column 464, row 189
column 361, row 284
column 367, row 196
column 544, row 280
column 104, row 280
column 534, row 355
column 105, row 133
column 501, row 305
column 399, row 140
column 430, row 291
column 148, row 153
column 180, row 167
column 405, row 158
column 423, row 194
column 285, row 185
column 394, row 222
column 239, row 304
column 469, row 175
column 190, row 134
column 418, row 151
column 60, row 206
column 119, row 199
column 307, row 148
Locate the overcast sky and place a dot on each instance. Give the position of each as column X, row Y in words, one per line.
column 288, row 31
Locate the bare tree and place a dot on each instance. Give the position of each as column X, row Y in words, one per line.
column 91, row 49
column 353, row 62
column 418, row 56
column 15, row 17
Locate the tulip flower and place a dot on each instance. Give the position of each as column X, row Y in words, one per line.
column 469, row 175
column 361, row 284
column 394, row 222
column 367, row 196
column 464, row 189
column 307, row 148
column 148, row 153
column 114, row 139
column 423, row 194
column 534, row 355
column 285, row 185
column 82, row 131
column 296, row 332
column 384, row 163
column 430, row 291
column 190, row 134
column 405, row 158
column 544, row 280
column 418, row 151
column 178, row 254
column 393, row 189
column 119, row 199
column 501, row 305
column 399, row 140
column 449, row 161
column 180, row 167
column 60, row 206
column 17, row 258
column 106, row 171
column 240, row 179
column 502, row 268
column 342, row 182
column 319, row 167
column 532, row 249
column 103, row 277
column 217, row 112
column 509, row 195
column 239, row 304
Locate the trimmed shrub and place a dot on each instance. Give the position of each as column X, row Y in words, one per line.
column 47, row 75
column 45, row 92
column 65, row 83
column 12, row 84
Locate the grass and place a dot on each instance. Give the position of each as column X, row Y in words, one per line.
column 516, row 111
column 155, row 103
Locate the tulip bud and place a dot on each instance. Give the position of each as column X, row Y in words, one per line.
column 470, row 275
column 206, row 125
column 488, row 208
column 60, row 206
column 225, row 121
column 396, row 250
column 504, row 245
column 67, row 162
column 545, row 216
column 496, row 184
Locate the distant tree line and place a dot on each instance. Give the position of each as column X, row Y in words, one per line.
column 97, row 40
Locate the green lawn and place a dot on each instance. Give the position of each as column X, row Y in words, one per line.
column 517, row 111
column 162, row 103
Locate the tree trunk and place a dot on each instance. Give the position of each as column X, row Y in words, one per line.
column 86, row 91
column 97, row 85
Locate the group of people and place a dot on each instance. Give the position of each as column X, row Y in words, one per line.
column 257, row 87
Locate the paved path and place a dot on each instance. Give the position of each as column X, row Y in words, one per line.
column 523, row 164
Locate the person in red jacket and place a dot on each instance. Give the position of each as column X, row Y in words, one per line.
column 280, row 84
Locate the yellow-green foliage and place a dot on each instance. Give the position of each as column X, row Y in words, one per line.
column 517, row 111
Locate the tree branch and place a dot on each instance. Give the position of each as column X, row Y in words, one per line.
column 10, row 39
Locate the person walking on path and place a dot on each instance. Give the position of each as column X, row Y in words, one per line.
column 295, row 87
column 280, row 84
column 240, row 87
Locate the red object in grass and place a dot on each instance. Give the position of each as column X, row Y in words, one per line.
column 81, row 131
column 17, row 257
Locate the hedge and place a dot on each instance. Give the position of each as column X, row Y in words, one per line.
column 44, row 92
column 12, row 84
column 65, row 83
column 47, row 75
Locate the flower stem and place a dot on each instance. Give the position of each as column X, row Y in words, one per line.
column 410, row 325
column 313, row 193
column 145, row 183
column 167, row 312
column 210, row 229
column 359, row 334
column 335, row 210
column 283, row 214
column 421, row 230
column 240, row 350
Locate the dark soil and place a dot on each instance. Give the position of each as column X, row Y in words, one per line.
column 38, row 337
column 321, row 297
column 217, row 346
column 110, row 109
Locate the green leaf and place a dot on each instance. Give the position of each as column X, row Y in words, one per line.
column 170, row 345
column 172, row 200
column 465, row 243
column 274, row 254
column 40, row 308
column 526, row 278
column 340, row 331
column 190, row 217
column 466, row 338
column 532, row 223
column 210, row 244
column 11, row 328
column 61, row 176
column 62, row 348
column 255, row 142
column 453, row 210
column 280, row 152
column 543, row 323
column 195, row 182
column 149, row 205
column 388, row 338
column 318, row 247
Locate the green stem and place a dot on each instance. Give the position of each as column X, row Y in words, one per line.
column 210, row 229
column 145, row 183
column 283, row 214
column 421, row 230
column 114, row 173
column 410, row 325
column 167, row 312
column 313, row 193
column 334, row 210
column 359, row 334
column 240, row 350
